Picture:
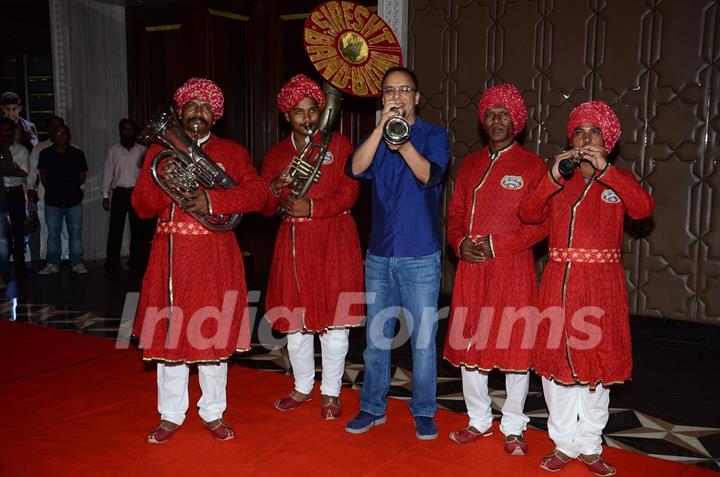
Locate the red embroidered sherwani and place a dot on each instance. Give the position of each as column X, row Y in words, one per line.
column 318, row 258
column 485, row 201
column 584, row 269
column 200, row 273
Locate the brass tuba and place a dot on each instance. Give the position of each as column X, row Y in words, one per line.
column 191, row 168
column 304, row 169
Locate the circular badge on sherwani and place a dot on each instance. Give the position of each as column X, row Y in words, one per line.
column 328, row 158
column 512, row 182
column 351, row 47
column 609, row 196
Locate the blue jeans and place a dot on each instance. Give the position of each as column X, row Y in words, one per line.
column 73, row 220
column 4, row 246
column 411, row 284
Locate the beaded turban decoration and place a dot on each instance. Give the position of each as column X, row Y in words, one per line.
column 506, row 95
column 599, row 114
column 201, row 88
column 296, row 89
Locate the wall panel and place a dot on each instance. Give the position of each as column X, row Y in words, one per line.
column 655, row 62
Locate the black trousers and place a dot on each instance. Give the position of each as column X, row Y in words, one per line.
column 16, row 213
column 119, row 209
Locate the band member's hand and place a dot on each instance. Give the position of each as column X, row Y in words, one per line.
column 106, row 204
column 279, row 182
column 296, row 207
column 166, row 172
column 388, row 111
column 475, row 250
column 32, row 195
column 196, row 202
column 595, row 155
column 556, row 161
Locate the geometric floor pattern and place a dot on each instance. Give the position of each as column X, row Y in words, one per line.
column 626, row 429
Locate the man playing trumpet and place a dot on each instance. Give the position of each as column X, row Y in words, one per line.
column 317, row 254
column 584, row 277
column 188, row 311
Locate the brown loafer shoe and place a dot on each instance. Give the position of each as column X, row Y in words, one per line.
column 516, row 445
column 162, row 433
column 220, row 429
column 555, row 461
column 469, row 435
column 331, row 408
column 290, row 402
column 597, row 465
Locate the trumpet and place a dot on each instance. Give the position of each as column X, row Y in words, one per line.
column 567, row 166
column 396, row 130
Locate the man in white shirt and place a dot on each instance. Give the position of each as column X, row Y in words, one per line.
column 13, row 192
column 33, row 185
column 122, row 167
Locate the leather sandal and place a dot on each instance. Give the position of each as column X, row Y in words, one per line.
column 554, row 462
column 515, row 445
column 162, row 433
column 598, row 465
column 288, row 403
column 469, row 435
column 331, row 408
column 220, row 430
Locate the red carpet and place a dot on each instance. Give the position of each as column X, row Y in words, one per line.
column 73, row 405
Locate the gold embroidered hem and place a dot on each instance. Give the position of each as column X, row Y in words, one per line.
column 582, row 383
column 487, row 370
column 305, row 329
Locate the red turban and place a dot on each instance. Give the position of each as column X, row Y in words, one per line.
column 599, row 114
column 201, row 88
column 506, row 95
column 296, row 89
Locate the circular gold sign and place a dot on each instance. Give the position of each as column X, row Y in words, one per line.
column 351, row 47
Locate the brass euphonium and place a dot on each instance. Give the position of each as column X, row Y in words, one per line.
column 304, row 169
column 190, row 168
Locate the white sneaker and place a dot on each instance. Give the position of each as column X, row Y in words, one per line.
column 79, row 269
column 48, row 269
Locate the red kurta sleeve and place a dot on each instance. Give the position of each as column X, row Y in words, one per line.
column 457, row 214
column 526, row 237
column 148, row 199
column 638, row 203
column 272, row 166
column 250, row 192
column 535, row 207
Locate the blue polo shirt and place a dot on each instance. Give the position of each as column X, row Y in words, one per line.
column 406, row 212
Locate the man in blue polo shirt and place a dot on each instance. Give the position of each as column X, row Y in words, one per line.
column 402, row 270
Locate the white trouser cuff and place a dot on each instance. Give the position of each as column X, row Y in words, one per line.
column 477, row 399
column 172, row 383
column 213, row 383
column 514, row 421
column 334, row 345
